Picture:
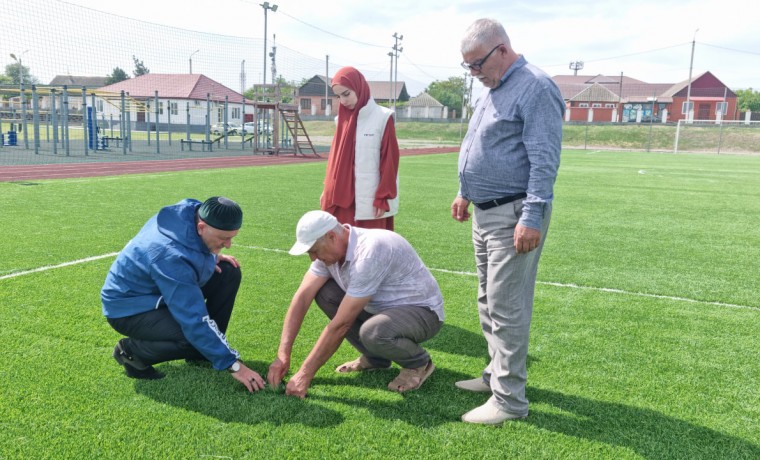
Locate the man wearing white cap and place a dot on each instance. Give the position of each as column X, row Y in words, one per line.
column 378, row 295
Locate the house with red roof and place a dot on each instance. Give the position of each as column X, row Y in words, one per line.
column 603, row 98
column 182, row 99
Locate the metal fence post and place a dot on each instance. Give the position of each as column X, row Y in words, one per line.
column 54, row 109
column 65, row 114
column 36, row 120
column 23, row 115
column 85, row 132
column 158, row 139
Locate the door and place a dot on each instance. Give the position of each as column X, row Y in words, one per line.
column 704, row 112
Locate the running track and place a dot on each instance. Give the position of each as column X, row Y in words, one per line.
column 69, row 170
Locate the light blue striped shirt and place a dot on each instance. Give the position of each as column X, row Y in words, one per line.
column 513, row 142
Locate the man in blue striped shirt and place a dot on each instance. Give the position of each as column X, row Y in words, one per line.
column 507, row 167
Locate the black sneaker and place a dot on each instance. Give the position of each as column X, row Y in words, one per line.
column 133, row 366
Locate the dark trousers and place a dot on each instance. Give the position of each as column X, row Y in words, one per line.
column 155, row 336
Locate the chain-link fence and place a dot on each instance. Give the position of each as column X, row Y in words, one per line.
column 71, row 107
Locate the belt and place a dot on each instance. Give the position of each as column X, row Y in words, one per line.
column 499, row 201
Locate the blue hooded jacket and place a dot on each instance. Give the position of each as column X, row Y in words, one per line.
column 167, row 263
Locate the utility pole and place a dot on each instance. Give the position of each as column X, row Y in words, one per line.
column 390, row 79
column 191, row 60
column 620, row 100
column 396, row 49
column 689, row 110
column 575, row 66
column 327, row 82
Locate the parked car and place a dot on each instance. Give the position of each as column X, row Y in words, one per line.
column 248, row 128
column 229, row 128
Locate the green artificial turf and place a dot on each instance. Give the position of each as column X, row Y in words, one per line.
column 644, row 337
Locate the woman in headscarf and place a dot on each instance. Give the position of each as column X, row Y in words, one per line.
column 361, row 183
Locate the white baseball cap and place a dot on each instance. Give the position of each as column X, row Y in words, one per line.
column 311, row 227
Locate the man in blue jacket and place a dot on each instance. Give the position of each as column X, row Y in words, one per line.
column 171, row 291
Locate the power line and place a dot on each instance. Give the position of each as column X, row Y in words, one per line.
column 636, row 53
column 730, row 49
column 331, row 33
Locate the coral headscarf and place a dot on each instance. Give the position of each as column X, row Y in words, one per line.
column 339, row 178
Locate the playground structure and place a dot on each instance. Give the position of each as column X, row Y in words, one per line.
column 288, row 134
column 77, row 121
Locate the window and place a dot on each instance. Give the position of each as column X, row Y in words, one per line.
column 324, row 103
column 583, row 104
column 687, row 107
column 160, row 107
column 609, row 106
column 306, row 103
column 721, row 108
column 173, row 108
column 596, row 105
column 236, row 113
column 100, row 105
column 219, row 115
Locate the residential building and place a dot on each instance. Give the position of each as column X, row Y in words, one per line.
column 604, row 98
column 425, row 106
column 183, row 99
column 316, row 94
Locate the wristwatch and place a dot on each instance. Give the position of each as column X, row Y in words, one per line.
column 234, row 368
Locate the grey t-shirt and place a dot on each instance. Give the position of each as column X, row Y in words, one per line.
column 382, row 265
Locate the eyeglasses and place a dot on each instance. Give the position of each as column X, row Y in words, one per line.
column 476, row 66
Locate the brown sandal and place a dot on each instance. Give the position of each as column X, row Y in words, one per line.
column 360, row 364
column 411, row 379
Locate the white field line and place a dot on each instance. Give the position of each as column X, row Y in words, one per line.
column 441, row 270
column 617, row 291
column 53, row 267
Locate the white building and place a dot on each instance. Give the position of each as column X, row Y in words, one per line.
column 182, row 99
column 425, row 106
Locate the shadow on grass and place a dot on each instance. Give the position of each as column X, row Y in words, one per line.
column 215, row 394
column 435, row 403
column 648, row 433
column 459, row 341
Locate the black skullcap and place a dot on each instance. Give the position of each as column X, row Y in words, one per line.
column 222, row 213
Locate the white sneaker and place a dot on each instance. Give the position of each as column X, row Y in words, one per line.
column 476, row 385
column 490, row 414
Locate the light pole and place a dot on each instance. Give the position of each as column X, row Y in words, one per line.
column 191, row 61
column 20, row 68
column 21, row 92
column 266, row 7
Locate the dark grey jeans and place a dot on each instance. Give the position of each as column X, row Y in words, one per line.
column 155, row 336
column 391, row 335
